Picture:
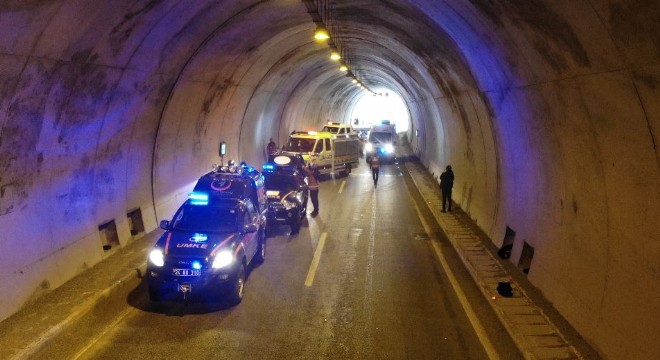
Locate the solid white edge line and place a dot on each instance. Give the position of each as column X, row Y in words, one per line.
column 474, row 320
column 102, row 334
column 316, row 260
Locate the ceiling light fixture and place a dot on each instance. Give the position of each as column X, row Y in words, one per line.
column 321, row 34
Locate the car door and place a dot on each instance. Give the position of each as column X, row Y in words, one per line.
column 251, row 240
column 327, row 153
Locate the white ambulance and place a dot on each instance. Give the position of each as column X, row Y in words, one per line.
column 330, row 153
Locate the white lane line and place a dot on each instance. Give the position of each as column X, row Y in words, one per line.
column 474, row 320
column 341, row 188
column 101, row 334
column 315, row 261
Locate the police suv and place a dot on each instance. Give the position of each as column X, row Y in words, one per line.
column 212, row 239
column 286, row 191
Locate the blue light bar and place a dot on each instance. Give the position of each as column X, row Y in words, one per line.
column 197, row 198
column 196, row 265
column 269, row 167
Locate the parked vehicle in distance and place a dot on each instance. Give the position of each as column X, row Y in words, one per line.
column 382, row 141
column 339, row 129
column 330, row 153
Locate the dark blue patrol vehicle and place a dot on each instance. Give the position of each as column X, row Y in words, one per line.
column 286, row 191
column 212, row 240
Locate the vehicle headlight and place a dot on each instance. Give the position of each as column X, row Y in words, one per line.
column 288, row 204
column 369, row 147
column 223, row 259
column 389, row 148
column 157, row 257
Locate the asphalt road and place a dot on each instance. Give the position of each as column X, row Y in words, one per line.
column 366, row 279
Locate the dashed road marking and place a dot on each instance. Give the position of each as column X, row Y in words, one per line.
column 316, row 260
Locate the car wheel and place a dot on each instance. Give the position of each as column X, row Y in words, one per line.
column 153, row 295
column 236, row 295
column 295, row 226
column 260, row 256
column 269, row 229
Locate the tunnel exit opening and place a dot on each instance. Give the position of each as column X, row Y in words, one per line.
column 385, row 104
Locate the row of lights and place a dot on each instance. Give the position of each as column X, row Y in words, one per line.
column 322, row 35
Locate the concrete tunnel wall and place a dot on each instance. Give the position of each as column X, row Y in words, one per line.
column 547, row 110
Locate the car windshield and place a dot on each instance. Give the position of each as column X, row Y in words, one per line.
column 300, row 145
column 332, row 129
column 281, row 182
column 380, row 137
column 201, row 218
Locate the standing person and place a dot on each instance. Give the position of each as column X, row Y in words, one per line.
column 271, row 148
column 446, row 183
column 313, row 186
column 375, row 168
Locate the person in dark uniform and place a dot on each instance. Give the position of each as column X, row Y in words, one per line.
column 271, row 148
column 313, row 186
column 446, row 184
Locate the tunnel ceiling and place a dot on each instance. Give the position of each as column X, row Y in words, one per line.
column 547, row 110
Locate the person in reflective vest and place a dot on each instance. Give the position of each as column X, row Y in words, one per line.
column 375, row 168
column 313, row 186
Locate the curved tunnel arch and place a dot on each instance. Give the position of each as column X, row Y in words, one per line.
column 546, row 110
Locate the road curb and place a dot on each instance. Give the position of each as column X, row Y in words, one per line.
column 130, row 279
column 532, row 331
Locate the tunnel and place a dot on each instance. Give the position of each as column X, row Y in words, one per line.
column 548, row 112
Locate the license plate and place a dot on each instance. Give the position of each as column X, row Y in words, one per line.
column 186, row 272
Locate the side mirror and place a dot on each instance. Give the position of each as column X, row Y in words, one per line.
column 249, row 228
column 165, row 224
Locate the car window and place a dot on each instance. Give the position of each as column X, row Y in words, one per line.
column 205, row 219
column 380, row 137
column 327, row 144
column 281, row 182
column 251, row 214
column 300, row 145
column 319, row 147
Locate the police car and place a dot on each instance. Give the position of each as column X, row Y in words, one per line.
column 286, row 191
column 212, row 240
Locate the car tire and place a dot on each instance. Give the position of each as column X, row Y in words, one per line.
column 153, row 295
column 268, row 232
column 295, row 226
column 238, row 286
column 260, row 256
